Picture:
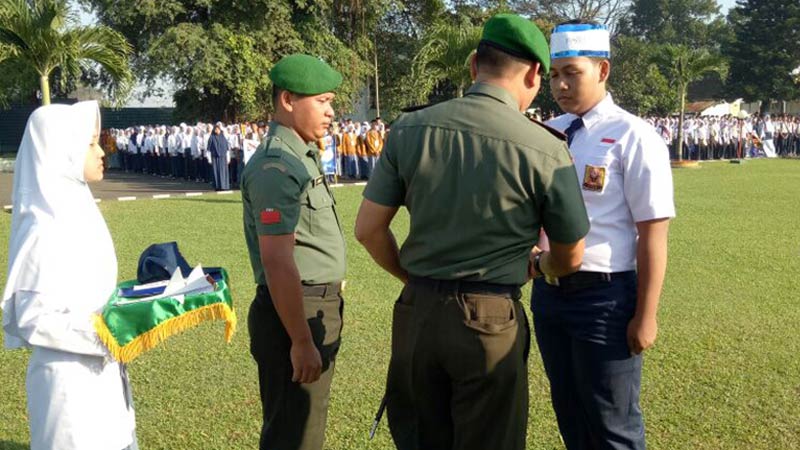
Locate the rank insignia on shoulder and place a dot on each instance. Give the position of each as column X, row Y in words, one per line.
column 594, row 178
column 561, row 136
column 274, row 165
column 270, row 216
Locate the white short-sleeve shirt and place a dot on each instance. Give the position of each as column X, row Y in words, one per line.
column 624, row 170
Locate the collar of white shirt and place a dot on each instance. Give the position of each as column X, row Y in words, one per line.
column 600, row 110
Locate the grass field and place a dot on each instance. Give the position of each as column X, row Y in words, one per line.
column 724, row 374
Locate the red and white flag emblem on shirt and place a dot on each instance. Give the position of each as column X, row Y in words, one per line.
column 608, row 141
column 270, row 217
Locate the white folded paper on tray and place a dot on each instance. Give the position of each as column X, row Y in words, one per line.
column 178, row 287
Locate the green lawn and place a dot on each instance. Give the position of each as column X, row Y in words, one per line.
column 724, row 374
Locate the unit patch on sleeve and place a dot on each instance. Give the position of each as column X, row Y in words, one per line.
column 270, row 216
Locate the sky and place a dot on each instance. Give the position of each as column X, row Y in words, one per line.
column 726, row 5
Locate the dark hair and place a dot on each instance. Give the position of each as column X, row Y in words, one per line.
column 578, row 22
column 276, row 93
column 495, row 60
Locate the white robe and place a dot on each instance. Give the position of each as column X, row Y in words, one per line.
column 62, row 269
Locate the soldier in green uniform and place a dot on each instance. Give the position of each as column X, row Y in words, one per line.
column 297, row 252
column 479, row 181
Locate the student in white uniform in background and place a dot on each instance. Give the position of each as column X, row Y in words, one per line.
column 592, row 326
column 62, row 269
column 173, row 152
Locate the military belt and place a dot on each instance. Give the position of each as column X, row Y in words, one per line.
column 579, row 279
column 312, row 290
column 468, row 287
column 322, row 290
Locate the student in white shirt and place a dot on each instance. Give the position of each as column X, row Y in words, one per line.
column 186, row 144
column 592, row 326
column 62, row 269
column 173, row 150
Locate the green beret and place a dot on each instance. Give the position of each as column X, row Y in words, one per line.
column 304, row 74
column 517, row 36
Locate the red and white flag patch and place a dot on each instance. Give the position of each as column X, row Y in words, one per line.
column 270, row 217
column 608, row 141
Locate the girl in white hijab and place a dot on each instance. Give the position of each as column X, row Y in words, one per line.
column 62, row 269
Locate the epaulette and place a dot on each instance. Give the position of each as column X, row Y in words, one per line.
column 416, row 108
column 559, row 135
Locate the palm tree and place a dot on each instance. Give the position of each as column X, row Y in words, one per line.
column 684, row 65
column 444, row 55
column 45, row 35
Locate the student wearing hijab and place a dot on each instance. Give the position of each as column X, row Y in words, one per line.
column 148, row 149
column 361, row 150
column 206, row 175
column 218, row 148
column 133, row 149
column 235, row 155
column 139, row 164
column 186, row 155
column 163, row 158
column 173, row 151
column 62, row 269
column 196, row 166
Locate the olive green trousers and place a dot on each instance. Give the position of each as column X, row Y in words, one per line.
column 458, row 375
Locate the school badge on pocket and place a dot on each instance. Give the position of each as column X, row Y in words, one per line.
column 594, row 178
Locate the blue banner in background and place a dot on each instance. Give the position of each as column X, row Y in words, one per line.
column 329, row 156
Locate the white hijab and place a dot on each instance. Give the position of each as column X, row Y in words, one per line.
column 60, row 246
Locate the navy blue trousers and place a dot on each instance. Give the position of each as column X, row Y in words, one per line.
column 364, row 169
column 594, row 380
column 351, row 163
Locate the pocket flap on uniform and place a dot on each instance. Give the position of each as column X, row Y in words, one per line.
column 319, row 198
column 489, row 313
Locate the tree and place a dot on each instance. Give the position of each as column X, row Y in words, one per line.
column 607, row 12
column 43, row 34
column 218, row 53
column 696, row 23
column 765, row 50
column 636, row 82
column 684, row 65
column 444, row 56
column 398, row 38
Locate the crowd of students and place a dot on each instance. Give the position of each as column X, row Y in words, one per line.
column 184, row 151
column 351, row 149
column 191, row 152
column 726, row 137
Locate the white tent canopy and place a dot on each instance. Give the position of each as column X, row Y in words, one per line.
column 723, row 109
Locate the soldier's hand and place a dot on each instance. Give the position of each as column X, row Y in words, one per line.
column 532, row 273
column 641, row 334
column 306, row 362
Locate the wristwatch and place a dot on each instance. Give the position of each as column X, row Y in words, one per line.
column 537, row 264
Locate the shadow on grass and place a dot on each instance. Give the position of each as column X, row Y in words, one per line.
column 9, row 445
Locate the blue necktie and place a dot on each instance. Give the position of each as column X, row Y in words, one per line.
column 576, row 125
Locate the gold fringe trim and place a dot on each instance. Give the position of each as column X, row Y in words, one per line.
column 151, row 338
